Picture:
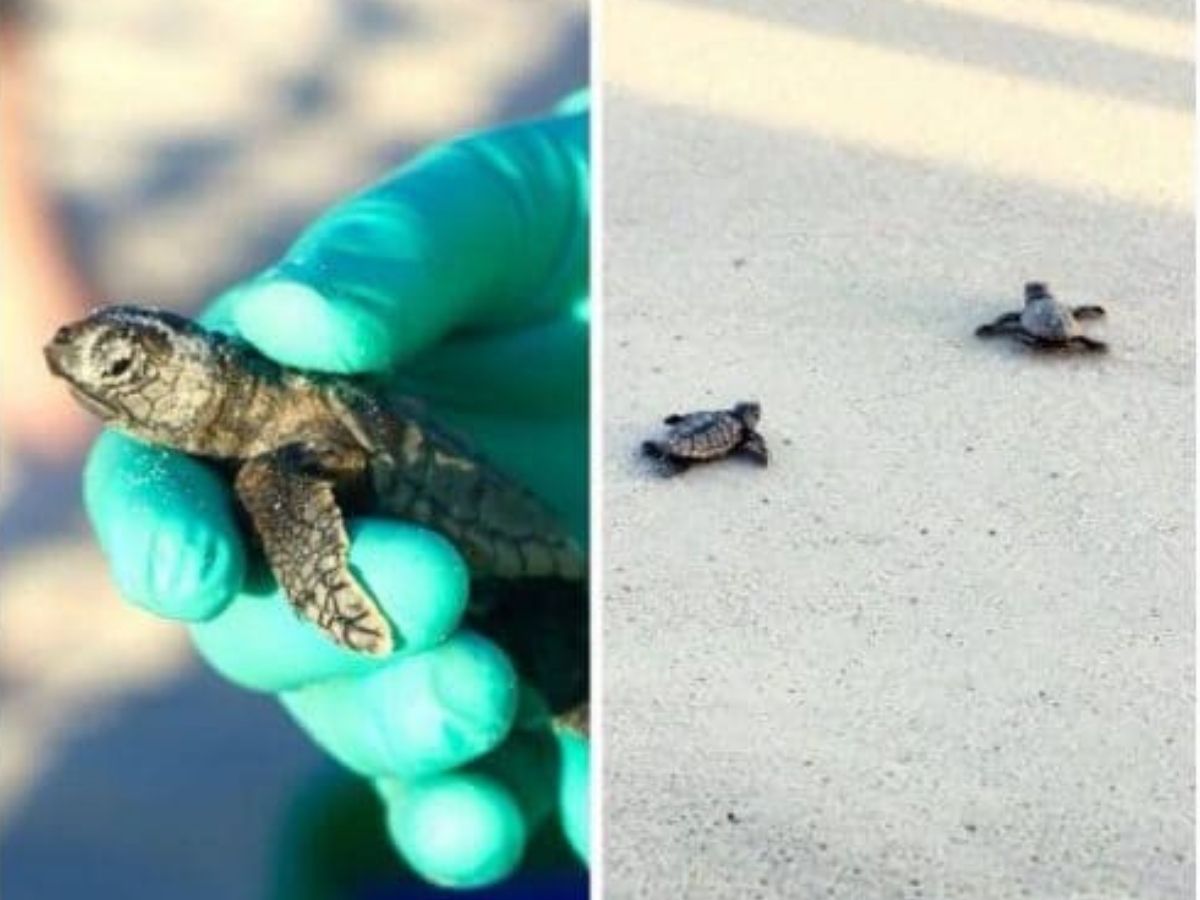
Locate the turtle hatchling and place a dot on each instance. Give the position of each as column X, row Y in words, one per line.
column 303, row 447
column 710, row 435
column 1045, row 323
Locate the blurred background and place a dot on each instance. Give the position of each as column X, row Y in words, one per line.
column 157, row 152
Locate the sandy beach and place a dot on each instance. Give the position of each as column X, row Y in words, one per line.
column 943, row 645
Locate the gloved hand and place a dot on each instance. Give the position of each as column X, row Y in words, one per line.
column 467, row 268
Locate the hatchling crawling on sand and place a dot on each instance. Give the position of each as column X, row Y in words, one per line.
column 1045, row 323
column 706, row 436
column 303, row 447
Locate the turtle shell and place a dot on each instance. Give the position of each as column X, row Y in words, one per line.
column 1049, row 319
column 705, row 435
column 422, row 472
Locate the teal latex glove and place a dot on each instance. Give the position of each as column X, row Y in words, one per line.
column 464, row 275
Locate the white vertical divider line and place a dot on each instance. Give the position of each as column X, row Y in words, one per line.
column 1195, row 426
column 596, row 452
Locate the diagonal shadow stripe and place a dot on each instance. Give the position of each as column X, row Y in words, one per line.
column 903, row 104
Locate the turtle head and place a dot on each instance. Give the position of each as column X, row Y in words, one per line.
column 1036, row 290
column 748, row 414
column 148, row 372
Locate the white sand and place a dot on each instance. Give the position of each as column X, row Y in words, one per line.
column 943, row 646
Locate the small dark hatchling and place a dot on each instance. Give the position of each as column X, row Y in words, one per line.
column 302, row 447
column 710, row 435
column 1045, row 323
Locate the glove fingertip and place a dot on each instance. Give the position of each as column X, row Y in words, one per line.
column 166, row 524
column 417, row 576
column 463, row 830
column 473, row 682
column 575, row 103
column 192, row 571
column 301, row 324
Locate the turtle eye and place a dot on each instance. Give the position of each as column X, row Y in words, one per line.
column 118, row 367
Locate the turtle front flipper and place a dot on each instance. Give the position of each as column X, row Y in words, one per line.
column 1088, row 343
column 654, row 449
column 754, row 446
column 304, row 540
column 1088, row 312
column 1005, row 324
column 661, row 452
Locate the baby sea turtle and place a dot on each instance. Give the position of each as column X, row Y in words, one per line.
column 1046, row 323
column 303, row 447
column 704, row 436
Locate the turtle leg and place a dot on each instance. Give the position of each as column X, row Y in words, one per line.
column 1038, row 343
column 1090, row 344
column 673, row 419
column 674, row 465
column 576, row 719
column 1005, row 324
column 755, row 447
column 654, row 449
column 304, row 540
column 659, row 450
column 1088, row 312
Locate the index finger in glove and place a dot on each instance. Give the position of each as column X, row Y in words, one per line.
column 487, row 231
